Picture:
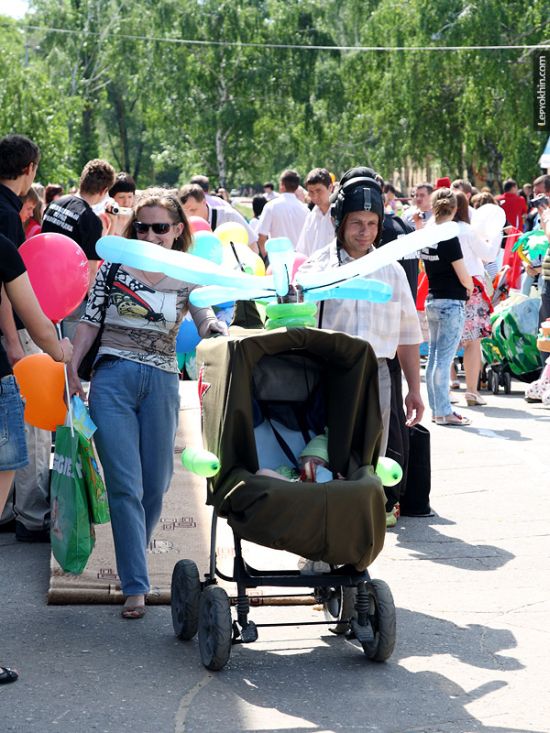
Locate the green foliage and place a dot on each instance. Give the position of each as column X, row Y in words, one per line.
column 120, row 84
column 30, row 105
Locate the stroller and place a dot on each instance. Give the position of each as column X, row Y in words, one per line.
column 297, row 382
column 511, row 350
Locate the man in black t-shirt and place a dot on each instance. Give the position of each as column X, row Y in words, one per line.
column 73, row 216
column 29, row 504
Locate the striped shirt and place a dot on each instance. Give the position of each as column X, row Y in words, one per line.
column 384, row 325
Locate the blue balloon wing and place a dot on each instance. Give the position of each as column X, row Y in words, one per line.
column 281, row 258
column 215, row 295
column 179, row 265
column 357, row 289
column 391, row 252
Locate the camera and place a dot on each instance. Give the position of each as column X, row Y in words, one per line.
column 111, row 207
column 540, row 200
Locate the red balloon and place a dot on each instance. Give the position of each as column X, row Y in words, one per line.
column 198, row 224
column 58, row 271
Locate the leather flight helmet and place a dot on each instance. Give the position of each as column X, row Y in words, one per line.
column 358, row 191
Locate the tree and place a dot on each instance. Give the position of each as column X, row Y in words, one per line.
column 30, row 106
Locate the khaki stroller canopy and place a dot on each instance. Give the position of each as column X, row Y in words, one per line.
column 341, row 521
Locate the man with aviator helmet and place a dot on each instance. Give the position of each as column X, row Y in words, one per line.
column 391, row 328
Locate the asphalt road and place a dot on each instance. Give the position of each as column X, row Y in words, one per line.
column 471, row 586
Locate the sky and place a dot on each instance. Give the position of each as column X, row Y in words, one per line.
column 13, row 8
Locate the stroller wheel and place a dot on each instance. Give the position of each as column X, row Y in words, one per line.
column 507, row 379
column 331, row 598
column 483, row 378
column 215, row 628
column 382, row 619
column 494, row 381
column 186, row 591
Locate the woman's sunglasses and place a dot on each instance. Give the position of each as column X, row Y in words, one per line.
column 158, row 228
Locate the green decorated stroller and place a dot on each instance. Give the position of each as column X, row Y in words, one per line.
column 295, row 383
column 511, row 349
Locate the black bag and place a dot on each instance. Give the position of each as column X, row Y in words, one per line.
column 85, row 368
column 415, row 502
column 398, row 435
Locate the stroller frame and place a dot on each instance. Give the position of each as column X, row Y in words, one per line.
column 343, row 518
column 204, row 607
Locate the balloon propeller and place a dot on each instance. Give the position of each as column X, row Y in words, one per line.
column 220, row 285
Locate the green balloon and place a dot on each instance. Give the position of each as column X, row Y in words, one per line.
column 201, row 462
column 389, row 471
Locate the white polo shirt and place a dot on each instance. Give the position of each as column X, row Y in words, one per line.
column 284, row 216
column 317, row 232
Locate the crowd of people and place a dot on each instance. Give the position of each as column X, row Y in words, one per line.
column 133, row 393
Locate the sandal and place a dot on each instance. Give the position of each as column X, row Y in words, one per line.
column 7, row 675
column 473, row 399
column 130, row 612
column 453, row 419
column 454, row 385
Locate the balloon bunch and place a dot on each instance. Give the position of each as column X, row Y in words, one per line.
column 228, row 248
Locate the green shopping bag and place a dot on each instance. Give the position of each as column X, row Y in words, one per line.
column 95, row 487
column 72, row 533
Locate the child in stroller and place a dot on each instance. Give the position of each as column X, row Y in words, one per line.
column 264, row 396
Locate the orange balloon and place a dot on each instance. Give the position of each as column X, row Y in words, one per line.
column 42, row 384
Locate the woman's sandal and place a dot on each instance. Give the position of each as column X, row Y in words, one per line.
column 7, row 675
column 130, row 612
column 473, row 399
column 453, row 419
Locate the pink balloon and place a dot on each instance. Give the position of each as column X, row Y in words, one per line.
column 58, row 271
column 299, row 260
column 198, row 224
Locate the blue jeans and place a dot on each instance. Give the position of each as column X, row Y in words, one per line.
column 446, row 322
column 136, row 408
column 13, row 447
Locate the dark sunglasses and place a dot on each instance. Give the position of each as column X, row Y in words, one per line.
column 142, row 228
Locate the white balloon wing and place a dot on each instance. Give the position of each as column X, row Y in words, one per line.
column 391, row 252
column 179, row 265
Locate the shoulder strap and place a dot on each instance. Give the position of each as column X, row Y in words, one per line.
column 279, row 438
column 214, row 218
column 321, row 313
column 109, row 280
